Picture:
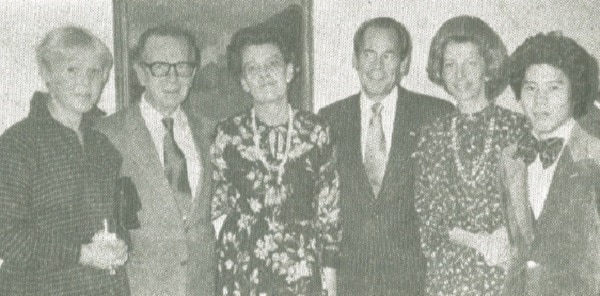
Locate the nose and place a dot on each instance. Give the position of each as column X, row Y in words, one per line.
column 171, row 75
column 540, row 98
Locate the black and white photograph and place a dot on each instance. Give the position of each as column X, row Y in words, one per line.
column 299, row 148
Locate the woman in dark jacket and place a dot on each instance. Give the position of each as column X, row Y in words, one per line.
column 57, row 180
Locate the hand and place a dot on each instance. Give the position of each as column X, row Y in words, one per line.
column 103, row 253
column 328, row 278
column 496, row 248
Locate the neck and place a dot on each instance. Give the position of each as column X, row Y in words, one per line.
column 71, row 120
column 472, row 106
column 273, row 113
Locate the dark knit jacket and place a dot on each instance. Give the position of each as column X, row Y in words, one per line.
column 54, row 194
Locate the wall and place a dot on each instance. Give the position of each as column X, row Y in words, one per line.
column 335, row 22
column 23, row 24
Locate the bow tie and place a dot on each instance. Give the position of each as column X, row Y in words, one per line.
column 528, row 148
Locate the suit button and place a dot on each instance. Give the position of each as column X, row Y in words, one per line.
column 531, row 264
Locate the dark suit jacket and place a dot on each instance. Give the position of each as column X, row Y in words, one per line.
column 171, row 255
column 380, row 250
column 559, row 252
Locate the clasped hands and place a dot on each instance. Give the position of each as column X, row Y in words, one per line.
column 105, row 251
column 494, row 246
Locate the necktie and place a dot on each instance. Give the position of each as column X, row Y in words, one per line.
column 175, row 165
column 528, row 148
column 375, row 155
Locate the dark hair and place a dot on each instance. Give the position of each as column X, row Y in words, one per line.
column 254, row 35
column 404, row 42
column 165, row 31
column 463, row 29
column 563, row 53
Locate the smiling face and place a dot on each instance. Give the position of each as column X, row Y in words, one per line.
column 546, row 98
column 265, row 74
column 166, row 93
column 463, row 71
column 75, row 80
column 378, row 62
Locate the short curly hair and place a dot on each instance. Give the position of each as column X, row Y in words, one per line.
column 254, row 35
column 467, row 28
column 563, row 53
column 62, row 41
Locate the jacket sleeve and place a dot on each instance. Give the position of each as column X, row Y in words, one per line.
column 22, row 243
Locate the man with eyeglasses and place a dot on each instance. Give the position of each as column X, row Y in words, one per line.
column 165, row 153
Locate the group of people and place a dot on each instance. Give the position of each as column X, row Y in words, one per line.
column 386, row 192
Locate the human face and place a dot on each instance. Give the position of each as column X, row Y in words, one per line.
column 378, row 62
column 75, row 81
column 265, row 74
column 546, row 98
column 463, row 71
column 166, row 93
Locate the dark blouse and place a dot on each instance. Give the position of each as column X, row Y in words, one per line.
column 456, row 187
column 277, row 235
column 54, row 194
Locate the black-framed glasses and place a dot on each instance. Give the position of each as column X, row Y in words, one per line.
column 161, row 69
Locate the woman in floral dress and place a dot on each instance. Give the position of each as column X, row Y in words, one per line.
column 275, row 201
column 462, row 228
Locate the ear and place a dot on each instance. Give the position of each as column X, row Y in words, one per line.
column 141, row 73
column 45, row 73
column 289, row 72
column 245, row 85
column 404, row 66
column 354, row 61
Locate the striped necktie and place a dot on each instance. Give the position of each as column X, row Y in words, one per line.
column 375, row 154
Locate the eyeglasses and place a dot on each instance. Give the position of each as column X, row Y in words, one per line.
column 161, row 69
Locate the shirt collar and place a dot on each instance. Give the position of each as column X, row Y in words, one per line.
column 149, row 112
column 388, row 102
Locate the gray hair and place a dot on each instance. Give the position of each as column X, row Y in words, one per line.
column 59, row 41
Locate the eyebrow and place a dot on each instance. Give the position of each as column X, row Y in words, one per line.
column 560, row 81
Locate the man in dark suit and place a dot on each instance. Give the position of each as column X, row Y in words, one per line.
column 165, row 153
column 550, row 181
column 375, row 136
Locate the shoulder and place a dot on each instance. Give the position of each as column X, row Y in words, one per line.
column 232, row 124
column 422, row 101
column 21, row 135
column 113, row 123
column 340, row 107
column 510, row 117
column 584, row 145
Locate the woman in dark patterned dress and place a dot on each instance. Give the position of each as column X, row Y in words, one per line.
column 275, row 201
column 462, row 228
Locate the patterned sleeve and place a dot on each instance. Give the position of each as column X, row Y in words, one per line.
column 328, row 208
column 427, row 196
column 224, row 195
column 22, row 244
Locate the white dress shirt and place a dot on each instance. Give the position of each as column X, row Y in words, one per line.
column 539, row 179
column 388, row 114
column 183, row 138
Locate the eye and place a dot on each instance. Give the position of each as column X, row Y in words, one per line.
column 528, row 88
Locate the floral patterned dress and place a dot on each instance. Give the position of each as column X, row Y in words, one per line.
column 279, row 231
column 462, row 193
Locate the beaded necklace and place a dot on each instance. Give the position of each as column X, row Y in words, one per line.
column 279, row 168
column 472, row 177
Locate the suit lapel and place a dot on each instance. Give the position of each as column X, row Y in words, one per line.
column 353, row 134
column 201, row 133
column 148, row 163
column 397, row 155
column 516, row 174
